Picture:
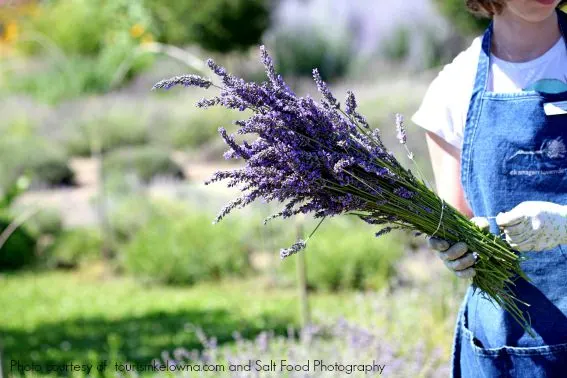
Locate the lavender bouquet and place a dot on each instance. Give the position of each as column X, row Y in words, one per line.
column 316, row 157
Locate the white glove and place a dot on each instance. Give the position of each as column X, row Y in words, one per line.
column 534, row 226
column 457, row 257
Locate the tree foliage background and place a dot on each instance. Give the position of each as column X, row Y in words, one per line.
column 216, row 25
column 464, row 21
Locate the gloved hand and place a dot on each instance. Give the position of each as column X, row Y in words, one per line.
column 534, row 225
column 457, row 257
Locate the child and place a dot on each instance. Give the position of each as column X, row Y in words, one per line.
column 496, row 121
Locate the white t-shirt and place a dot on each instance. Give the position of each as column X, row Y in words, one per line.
column 445, row 105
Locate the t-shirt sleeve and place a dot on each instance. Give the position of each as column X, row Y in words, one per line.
column 437, row 112
column 444, row 108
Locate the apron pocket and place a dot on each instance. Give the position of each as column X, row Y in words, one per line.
column 477, row 347
column 508, row 361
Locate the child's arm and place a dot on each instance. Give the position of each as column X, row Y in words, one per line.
column 446, row 162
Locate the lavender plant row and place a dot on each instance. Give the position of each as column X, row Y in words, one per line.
column 337, row 349
column 322, row 159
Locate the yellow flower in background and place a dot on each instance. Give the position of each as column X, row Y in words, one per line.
column 137, row 31
column 564, row 8
column 147, row 38
column 8, row 35
column 10, row 32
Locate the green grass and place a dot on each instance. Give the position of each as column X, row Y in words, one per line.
column 61, row 317
column 58, row 317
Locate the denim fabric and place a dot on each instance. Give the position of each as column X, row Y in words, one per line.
column 513, row 152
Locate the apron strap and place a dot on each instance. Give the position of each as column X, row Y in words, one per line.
column 483, row 68
column 481, row 79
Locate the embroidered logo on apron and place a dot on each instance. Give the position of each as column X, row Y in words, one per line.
column 547, row 160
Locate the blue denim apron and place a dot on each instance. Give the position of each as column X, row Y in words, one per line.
column 513, row 152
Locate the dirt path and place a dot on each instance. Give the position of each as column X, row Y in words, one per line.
column 77, row 205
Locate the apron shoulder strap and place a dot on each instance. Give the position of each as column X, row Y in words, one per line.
column 483, row 67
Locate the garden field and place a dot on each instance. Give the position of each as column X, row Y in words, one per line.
column 108, row 253
column 83, row 317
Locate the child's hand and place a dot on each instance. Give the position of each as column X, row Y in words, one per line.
column 534, row 225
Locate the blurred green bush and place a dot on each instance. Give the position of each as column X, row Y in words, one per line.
column 130, row 215
column 181, row 246
column 73, row 247
column 19, row 249
column 215, row 25
column 465, row 22
column 297, row 51
column 84, row 42
column 91, row 47
column 345, row 255
column 163, row 123
column 74, row 76
column 114, row 129
column 73, row 26
column 45, row 222
column 145, row 162
column 181, row 128
column 84, row 27
column 397, row 47
column 9, row 193
column 421, row 46
column 43, row 162
column 19, row 125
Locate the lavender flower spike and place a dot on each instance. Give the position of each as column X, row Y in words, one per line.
column 218, row 70
column 275, row 79
column 350, row 103
column 350, row 109
column 324, row 89
column 402, row 137
column 296, row 247
column 185, row 80
column 384, row 231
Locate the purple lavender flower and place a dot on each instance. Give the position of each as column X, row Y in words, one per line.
column 296, row 247
column 218, row 70
column 207, row 103
column 275, row 79
column 384, row 231
column 403, row 192
column 185, row 80
column 350, row 109
column 336, row 342
column 350, row 103
column 306, row 152
column 324, row 89
column 402, row 136
column 309, row 155
column 427, row 209
column 237, row 151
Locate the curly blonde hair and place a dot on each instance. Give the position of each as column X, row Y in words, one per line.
column 489, row 8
